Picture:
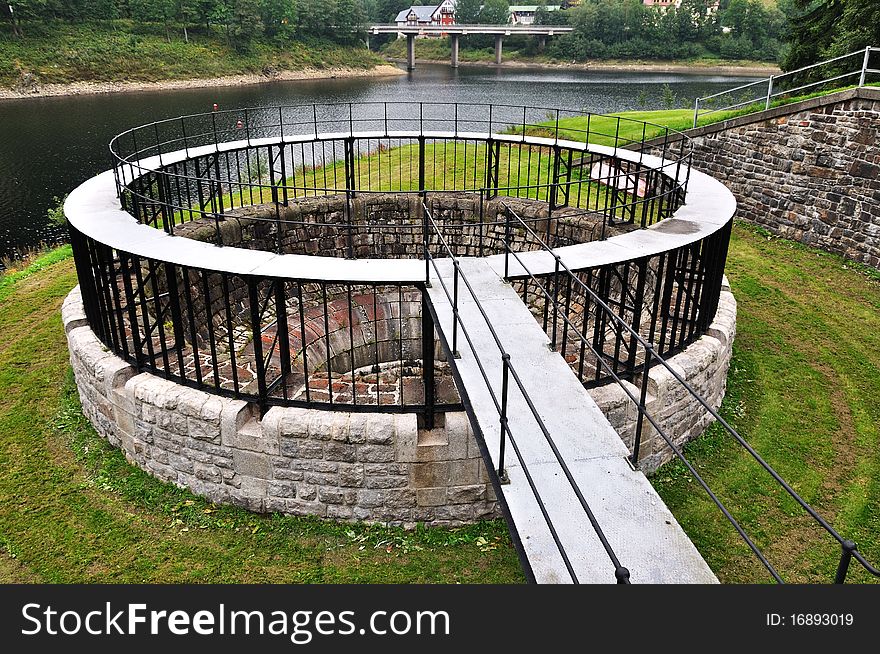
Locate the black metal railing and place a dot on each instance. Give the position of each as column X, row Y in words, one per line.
column 175, row 171
column 649, row 351
column 349, row 181
column 413, row 180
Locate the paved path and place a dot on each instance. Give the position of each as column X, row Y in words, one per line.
column 640, row 528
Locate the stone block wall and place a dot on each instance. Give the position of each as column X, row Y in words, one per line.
column 808, row 172
column 349, row 466
column 390, row 225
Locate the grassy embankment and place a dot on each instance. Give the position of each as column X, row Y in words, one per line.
column 122, row 51
column 803, row 390
column 73, row 510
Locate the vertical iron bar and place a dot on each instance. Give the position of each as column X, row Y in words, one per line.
column 327, row 341
column 209, row 321
column 555, row 303
column 282, row 329
column 455, row 274
column 257, row 334
column 637, row 439
column 302, row 339
column 427, row 360
column 848, row 548
column 505, row 364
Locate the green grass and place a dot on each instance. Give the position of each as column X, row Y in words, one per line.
column 803, row 390
column 121, row 51
column 73, row 510
column 10, row 277
column 634, row 126
column 459, row 165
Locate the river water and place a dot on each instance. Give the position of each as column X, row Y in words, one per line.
column 50, row 145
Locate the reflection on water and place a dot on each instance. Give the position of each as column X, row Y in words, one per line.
column 50, row 145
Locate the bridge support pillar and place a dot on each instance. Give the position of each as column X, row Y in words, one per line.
column 498, row 41
column 410, row 51
column 454, row 45
column 542, row 42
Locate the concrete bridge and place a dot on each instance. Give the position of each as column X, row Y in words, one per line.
column 454, row 32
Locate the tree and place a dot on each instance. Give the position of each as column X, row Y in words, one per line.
column 187, row 12
column 348, row 20
column 154, row 11
column 467, row 12
column 279, row 17
column 857, row 28
column 542, row 16
column 314, row 18
column 494, row 12
column 812, row 28
column 246, row 23
column 387, row 10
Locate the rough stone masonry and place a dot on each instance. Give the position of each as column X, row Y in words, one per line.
column 375, row 467
column 809, row 172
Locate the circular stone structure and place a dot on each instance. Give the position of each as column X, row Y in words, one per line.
column 252, row 320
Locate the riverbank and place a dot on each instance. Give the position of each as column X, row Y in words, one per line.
column 56, row 58
column 244, row 79
column 735, row 69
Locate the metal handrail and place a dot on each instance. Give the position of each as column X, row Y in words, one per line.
column 506, row 435
column 772, row 83
column 849, row 548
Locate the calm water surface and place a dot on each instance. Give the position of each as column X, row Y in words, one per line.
column 50, row 145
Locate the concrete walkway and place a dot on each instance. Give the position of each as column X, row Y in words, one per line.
column 639, row 527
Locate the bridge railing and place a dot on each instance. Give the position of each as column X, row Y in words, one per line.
column 852, row 68
column 549, row 286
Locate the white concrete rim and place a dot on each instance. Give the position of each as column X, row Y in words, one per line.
column 93, row 209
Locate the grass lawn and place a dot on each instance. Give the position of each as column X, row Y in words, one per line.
column 73, row 510
column 803, row 390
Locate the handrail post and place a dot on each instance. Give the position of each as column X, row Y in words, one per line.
column 865, row 62
column 428, row 360
column 455, row 273
column 555, row 303
column 769, row 92
column 848, row 548
column 637, row 439
column 696, row 110
column 480, row 241
column 505, row 364
column 424, row 198
column 506, row 242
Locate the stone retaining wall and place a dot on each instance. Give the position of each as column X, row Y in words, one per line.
column 390, row 225
column 809, row 173
column 348, row 466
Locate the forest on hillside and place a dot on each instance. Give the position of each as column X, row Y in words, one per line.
column 792, row 32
